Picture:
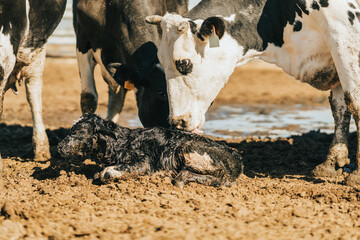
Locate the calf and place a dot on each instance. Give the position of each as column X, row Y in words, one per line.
column 112, row 33
column 315, row 41
column 185, row 156
column 25, row 26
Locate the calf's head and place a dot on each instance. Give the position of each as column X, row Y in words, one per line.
column 84, row 137
column 195, row 72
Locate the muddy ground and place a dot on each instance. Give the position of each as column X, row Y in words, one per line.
column 275, row 199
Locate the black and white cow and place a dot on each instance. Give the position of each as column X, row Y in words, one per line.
column 25, row 26
column 114, row 35
column 315, row 41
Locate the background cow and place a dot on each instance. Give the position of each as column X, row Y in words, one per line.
column 111, row 34
column 316, row 41
column 25, row 26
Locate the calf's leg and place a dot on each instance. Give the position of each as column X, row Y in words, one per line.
column 338, row 151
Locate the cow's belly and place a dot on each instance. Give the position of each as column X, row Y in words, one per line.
column 305, row 56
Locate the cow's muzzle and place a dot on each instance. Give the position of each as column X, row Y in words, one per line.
column 184, row 66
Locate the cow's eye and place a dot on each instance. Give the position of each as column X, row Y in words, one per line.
column 162, row 93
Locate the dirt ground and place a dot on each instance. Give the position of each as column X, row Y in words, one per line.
column 275, row 199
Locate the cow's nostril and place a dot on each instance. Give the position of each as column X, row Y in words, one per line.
column 184, row 66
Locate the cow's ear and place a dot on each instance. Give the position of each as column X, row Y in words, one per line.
column 124, row 75
column 209, row 25
column 155, row 19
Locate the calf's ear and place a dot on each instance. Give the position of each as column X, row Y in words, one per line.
column 209, row 25
column 154, row 19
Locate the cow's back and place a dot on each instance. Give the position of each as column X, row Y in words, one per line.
column 117, row 26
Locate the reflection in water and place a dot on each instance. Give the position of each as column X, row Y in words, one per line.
column 264, row 121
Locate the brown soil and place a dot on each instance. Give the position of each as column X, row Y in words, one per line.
column 275, row 199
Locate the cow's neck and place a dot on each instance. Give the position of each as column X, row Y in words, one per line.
column 242, row 19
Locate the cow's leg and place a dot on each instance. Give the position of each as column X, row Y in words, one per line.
column 338, row 153
column 33, row 74
column 89, row 96
column 116, row 103
column 344, row 44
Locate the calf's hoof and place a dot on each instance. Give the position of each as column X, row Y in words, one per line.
column 326, row 170
column 109, row 173
column 353, row 179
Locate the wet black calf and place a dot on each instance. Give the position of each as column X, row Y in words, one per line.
column 183, row 156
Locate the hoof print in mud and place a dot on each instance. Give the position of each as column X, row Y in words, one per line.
column 186, row 157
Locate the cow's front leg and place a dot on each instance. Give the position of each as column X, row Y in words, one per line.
column 116, row 103
column 338, row 152
column 34, row 80
column 89, row 96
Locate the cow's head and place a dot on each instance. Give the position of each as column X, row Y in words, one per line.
column 151, row 94
column 195, row 72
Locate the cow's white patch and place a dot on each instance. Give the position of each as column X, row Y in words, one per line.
column 231, row 18
column 7, row 58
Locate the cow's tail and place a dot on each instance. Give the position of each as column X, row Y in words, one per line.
column 115, row 87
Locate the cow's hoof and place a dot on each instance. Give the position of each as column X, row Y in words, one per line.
column 88, row 103
column 325, row 170
column 341, row 162
column 42, row 155
column 353, row 179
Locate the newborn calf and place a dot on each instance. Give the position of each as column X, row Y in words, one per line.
column 184, row 156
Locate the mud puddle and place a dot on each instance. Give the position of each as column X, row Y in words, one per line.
column 237, row 121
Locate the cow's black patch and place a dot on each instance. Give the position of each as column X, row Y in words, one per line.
column 117, row 28
column 193, row 27
column 41, row 12
column 275, row 16
column 315, row 6
column 208, row 24
column 352, row 5
column 351, row 17
column 358, row 15
column 13, row 21
column 324, row 3
column 297, row 26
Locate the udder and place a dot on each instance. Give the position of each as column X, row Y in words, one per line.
column 319, row 72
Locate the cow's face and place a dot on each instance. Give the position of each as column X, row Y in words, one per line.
column 195, row 73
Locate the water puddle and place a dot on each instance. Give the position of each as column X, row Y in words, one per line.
column 273, row 121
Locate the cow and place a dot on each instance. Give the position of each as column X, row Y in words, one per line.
column 184, row 156
column 315, row 41
column 25, row 26
column 113, row 35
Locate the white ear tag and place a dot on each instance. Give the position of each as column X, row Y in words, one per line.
column 214, row 39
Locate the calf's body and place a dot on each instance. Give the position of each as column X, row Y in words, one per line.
column 184, row 156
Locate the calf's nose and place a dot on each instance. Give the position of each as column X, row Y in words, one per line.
column 184, row 66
